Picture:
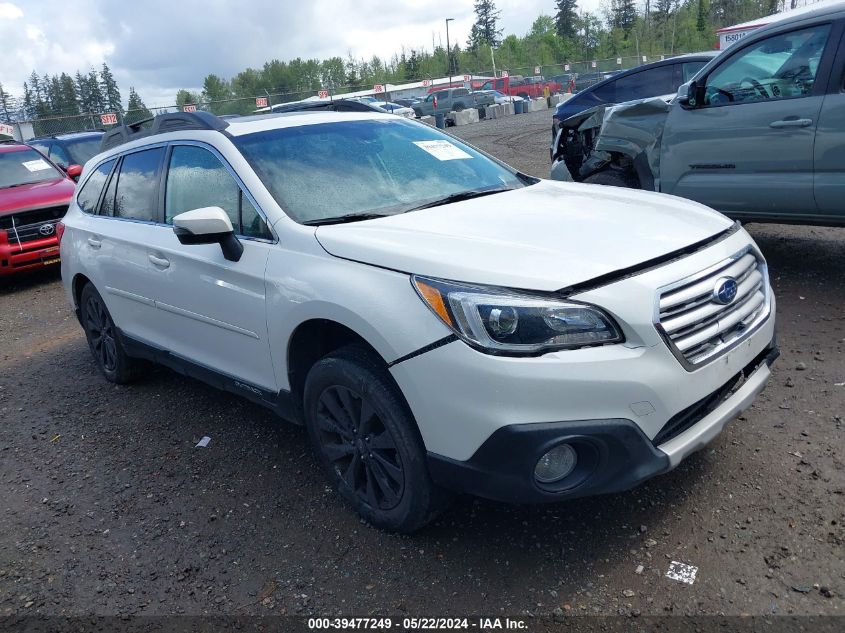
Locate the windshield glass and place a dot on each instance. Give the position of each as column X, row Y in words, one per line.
column 365, row 167
column 25, row 167
column 82, row 150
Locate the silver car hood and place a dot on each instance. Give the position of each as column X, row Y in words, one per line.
column 546, row 236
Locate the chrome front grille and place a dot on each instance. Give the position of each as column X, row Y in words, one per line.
column 699, row 325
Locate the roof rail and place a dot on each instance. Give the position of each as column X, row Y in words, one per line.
column 171, row 122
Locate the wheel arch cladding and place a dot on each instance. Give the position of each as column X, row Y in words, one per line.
column 79, row 282
column 312, row 340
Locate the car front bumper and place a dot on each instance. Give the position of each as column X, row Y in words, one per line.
column 15, row 258
column 614, row 454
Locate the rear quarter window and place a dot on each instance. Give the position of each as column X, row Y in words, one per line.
column 88, row 196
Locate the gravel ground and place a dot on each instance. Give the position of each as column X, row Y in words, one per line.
column 107, row 508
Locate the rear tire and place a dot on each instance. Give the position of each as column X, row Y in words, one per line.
column 614, row 178
column 367, row 443
column 103, row 341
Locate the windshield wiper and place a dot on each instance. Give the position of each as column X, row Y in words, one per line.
column 458, row 197
column 343, row 219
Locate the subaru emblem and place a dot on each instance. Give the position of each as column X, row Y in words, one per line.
column 725, row 290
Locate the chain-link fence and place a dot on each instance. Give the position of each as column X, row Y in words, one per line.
column 560, row 73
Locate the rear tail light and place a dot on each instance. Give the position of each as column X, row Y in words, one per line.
column 60, row 230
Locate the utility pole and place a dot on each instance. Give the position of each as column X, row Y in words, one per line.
column 449, row 51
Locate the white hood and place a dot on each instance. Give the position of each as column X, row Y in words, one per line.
column 543, row 237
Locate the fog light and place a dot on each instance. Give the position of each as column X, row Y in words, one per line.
column 556, row 464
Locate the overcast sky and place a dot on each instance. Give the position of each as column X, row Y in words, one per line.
column 160, row 46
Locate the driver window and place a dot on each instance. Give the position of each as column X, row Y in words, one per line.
column 780, row 67
column 196, row 179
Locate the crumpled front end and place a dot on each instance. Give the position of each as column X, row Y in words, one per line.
column 628, row 133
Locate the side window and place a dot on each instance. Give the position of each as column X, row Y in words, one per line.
column 443, row 94
column 90, row 192
column 59, row 155
column 460, row 92
column 196, row 178
column 44, row 148
column 690, row 69
column 648, row 83
column 500, row 84
column 779, row 67
column 135, row 196
column 605, row 93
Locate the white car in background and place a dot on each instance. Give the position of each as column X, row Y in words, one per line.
column 437, row 320
column 503, row 98
column 395, row 108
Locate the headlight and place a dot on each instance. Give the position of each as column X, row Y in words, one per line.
column 505, row 321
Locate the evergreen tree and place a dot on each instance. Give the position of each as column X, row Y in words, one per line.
column 136, row 110
column 6, row 105
column 109, row 90
column 83, row 94
column 566, row 19
column 70, row 100
column 28, row 103
column 702, row 21
column 97, row 100
column 484, row 30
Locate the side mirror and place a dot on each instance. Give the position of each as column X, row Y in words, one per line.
column 74, row 171
column 208, row 225
column 688, row 94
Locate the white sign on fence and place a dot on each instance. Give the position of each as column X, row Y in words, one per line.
column 618, row 61
column 593, row 64
column 537, row 70
column 378, row 88
column 566, row 67
column 467, row 77
column 426, row 83
column 260, row 102
column 505, row 74
column 323, row 94
column 7, row 130
column 645, row 59
column 109, row 118
column 189, row 108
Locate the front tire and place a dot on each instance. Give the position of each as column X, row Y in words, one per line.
column 367, row 443
column 111, row 359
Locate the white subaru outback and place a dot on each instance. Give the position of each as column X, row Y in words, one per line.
column 438, row 321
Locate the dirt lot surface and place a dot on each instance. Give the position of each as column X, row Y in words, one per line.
column 106, row 506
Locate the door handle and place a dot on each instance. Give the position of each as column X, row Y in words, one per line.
column 161, row 262
column 791, row 123
column 93, row 242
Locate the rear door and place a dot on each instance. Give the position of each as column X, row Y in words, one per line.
column 747, row 150
column 829, row 151
column 127, row 221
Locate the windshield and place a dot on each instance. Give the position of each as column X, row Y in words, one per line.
column 25, row 167
column 366, row 167
column 82, row 150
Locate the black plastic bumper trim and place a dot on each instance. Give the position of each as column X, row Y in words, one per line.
column 502, row 469
column 431, row 346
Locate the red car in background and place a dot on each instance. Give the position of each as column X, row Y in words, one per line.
column 34, row 196
column 525, row 87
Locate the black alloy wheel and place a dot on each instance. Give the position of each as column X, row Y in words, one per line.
column 360, row 448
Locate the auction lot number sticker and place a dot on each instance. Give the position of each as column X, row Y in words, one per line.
column 417, row 624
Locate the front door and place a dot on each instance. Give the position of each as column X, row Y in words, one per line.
column 748, row 148
column 210, row 310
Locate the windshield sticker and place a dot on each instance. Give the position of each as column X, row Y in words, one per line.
column 36, row 165
column 442, row 150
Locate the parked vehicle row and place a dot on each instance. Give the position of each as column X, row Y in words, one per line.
column 457, row 99
column 758, row 133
